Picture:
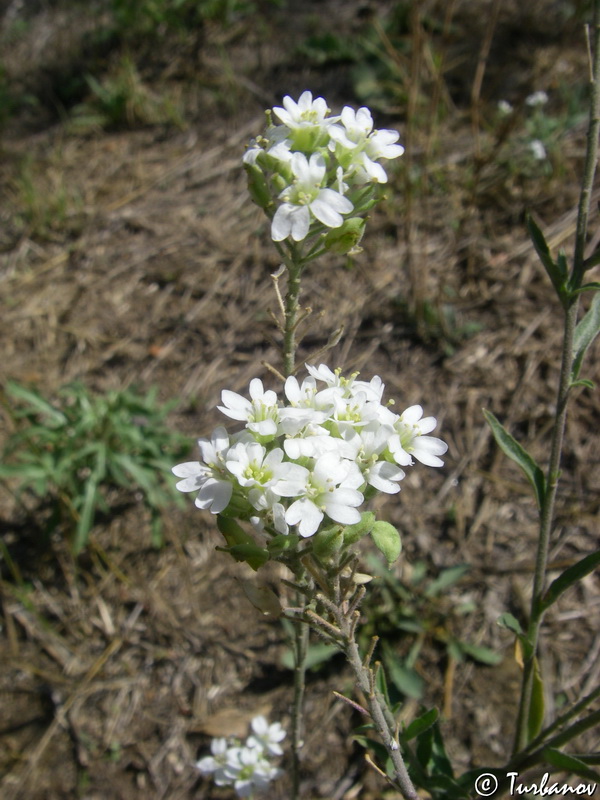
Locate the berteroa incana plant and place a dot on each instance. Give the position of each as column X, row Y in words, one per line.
column 291, row 484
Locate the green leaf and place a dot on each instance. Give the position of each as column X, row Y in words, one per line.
column 252, row 554
column 36, row 402
column 568, row 763
column 233, row 532
column 404, row 678
column 316, row 655
column 86, row 517
column 535, row 718
column 447, row 577
column 432, row 755
column 555, row 269
column 588, row 384
column 387, row 539
column 592, row 286
column 507, row 620
column 420, row 724
column 570, row 576
column 519, row 455
column 480, row 653
column 585, row 333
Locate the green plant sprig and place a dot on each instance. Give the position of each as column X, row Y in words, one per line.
column 73, row 449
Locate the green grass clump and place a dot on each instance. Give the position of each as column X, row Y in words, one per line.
column 73, row 450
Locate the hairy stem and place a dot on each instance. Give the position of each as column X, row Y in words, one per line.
column 552, row 475
column 378, row 710
column 294, row 264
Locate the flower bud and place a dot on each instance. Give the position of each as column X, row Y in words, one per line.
column 258, row 187
column 352, row 533
column 282, row 543
column 346, row 238
column 328, row 542
column 387, row 539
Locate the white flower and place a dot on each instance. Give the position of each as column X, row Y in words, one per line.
column 260, row 414
column 265, row 736
column 209, row 478
column 248, row 770
column 537, row 150
column 504, row 107
column 306, row 197
column 367, row 446
column 410, row 441
column 357, row 135
column 305, row 113
column 259, row 471
column 330, row 488
column 216, row 764
column 538, row 98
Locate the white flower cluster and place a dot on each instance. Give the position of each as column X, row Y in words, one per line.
column 314, row 166
column 246, row 766
column 316, row 457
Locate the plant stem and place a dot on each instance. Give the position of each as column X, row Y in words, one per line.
column 294, row 270
column 294, row 265
column 377, row 708
column 300, row 649
column 564, row 386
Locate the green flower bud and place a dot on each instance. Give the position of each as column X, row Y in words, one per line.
column 252, row 554
column 387, row 539
column 234, row 534
column 284, row 542
column 258, row 187
column 346, row 238
column 352, row 533
column 328, row 542
column 279, row 183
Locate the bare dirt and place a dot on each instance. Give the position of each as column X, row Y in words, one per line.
column 118, row 667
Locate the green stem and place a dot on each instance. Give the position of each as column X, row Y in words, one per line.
column 377, row 708
column 294, row 270
column 300, row 649
column 294, row 264
column 552, row 476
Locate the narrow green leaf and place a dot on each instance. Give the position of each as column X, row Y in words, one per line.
column 556, row 270
column 568, row 763
column 519, row 455
column 507, row 620
column 570, row 576
column 447, row 577
column 233, row 532
column 316, row 655
column 420, row 724
column 588, row 384
column 592, row 286
column 404, row 678
column 585, row 333
column 36, row 402
column 535, row 719
column 387, row 539
column 86, row 517
column 480, row 653
column 252, row 554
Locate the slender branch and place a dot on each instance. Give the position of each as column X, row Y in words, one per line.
column 379, row 714
column 552, row 475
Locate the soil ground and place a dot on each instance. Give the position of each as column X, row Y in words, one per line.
column 133, row 256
